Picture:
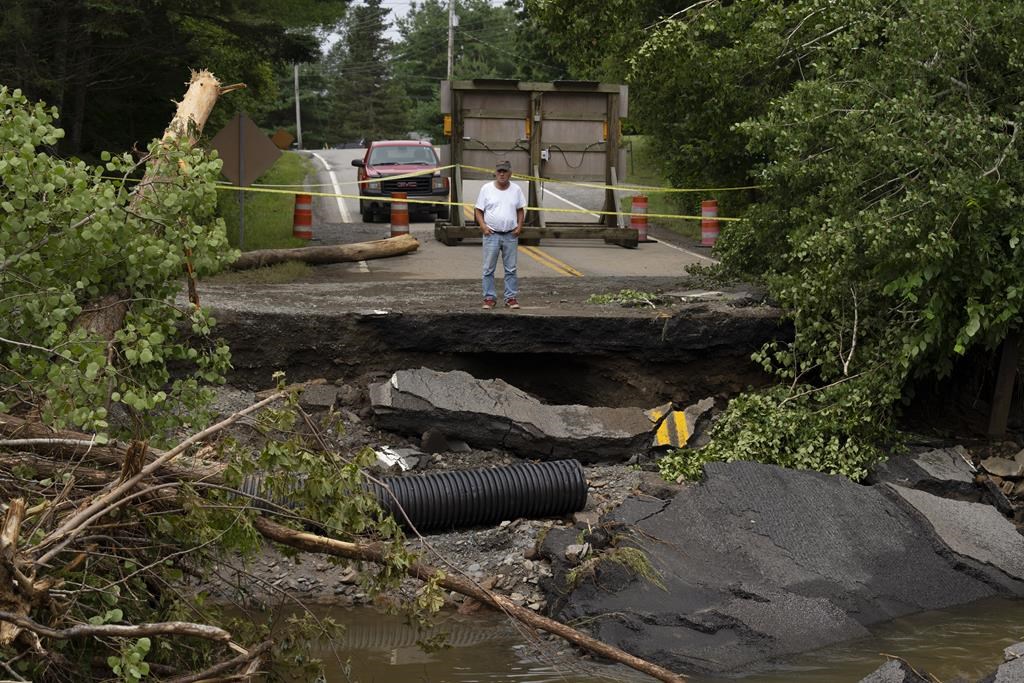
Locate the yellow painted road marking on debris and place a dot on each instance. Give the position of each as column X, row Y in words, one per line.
column 550, row 261
column 672, row 431
column 655, row 414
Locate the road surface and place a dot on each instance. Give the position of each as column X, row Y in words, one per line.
column 337, row 220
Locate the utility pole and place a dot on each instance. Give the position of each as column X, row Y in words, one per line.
column 298, row 114
column 451, row 36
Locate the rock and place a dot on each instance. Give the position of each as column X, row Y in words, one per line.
column 1003, row 467
column 318, row 396
column 577, row 552
column 469, row 606
column 458, row 446
column 760, row 562
column 403, row 458
column 972, row 530
column 433, row 441
column 348, row 395
column 586, row 519
column 698, row 416
column 1010, row 672
column 938, row 470
column 494, row 414
column 894, row 671
column 653, row 485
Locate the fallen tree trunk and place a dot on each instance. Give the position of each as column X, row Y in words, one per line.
column 66, row 445
column 335, row 253
column 423, row 572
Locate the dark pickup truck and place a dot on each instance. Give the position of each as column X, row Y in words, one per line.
column 387, row 167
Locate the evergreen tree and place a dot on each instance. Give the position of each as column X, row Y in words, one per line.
column 368, row 103
column 113, row 67
column 490, row 42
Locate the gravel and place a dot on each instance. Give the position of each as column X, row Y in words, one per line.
column 502, row 557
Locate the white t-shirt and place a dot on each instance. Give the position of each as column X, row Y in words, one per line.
column 499, row 206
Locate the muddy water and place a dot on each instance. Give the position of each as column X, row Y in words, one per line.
column 965, row 641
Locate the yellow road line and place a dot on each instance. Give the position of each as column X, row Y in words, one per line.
column 538, row 255
column 550, row 261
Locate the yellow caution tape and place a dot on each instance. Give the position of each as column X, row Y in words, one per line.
column 644, row 188
column 547, row 209
column 224, row 183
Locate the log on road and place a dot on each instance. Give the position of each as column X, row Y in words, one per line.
column 335, row 253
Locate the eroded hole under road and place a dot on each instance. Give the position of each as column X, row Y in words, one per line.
column 588, row 360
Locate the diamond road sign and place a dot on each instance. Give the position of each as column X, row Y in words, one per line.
column 246, row 150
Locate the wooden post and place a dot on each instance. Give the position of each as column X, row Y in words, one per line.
column 1003, row 393
column 535, row 112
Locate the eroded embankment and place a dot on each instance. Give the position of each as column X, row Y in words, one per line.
column 562, row 350
column 754, row 577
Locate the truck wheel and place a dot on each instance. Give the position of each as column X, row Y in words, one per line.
column 442, row 213
column 366, row 211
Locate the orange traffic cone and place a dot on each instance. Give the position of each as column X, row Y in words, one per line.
column 638, row 217
column 708, row 222
column 302, row 221
column 399, row 214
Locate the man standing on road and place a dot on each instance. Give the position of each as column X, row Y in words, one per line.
column 500, row 212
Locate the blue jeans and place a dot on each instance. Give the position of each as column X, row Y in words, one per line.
column 506, row 245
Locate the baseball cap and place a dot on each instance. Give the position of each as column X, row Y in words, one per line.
column 503, row 166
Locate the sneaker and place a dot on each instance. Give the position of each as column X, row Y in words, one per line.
column 489, row 303
column 511, row 303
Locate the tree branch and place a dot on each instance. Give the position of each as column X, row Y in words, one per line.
column 423, row 572
column 1006, row 151
column 253, row 655
column 178, row 628
column 73, row 526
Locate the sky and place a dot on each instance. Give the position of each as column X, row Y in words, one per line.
column 399, row 8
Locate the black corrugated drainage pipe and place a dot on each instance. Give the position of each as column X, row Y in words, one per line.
column 440, row 501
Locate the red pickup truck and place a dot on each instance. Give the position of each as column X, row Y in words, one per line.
column 387, row 167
